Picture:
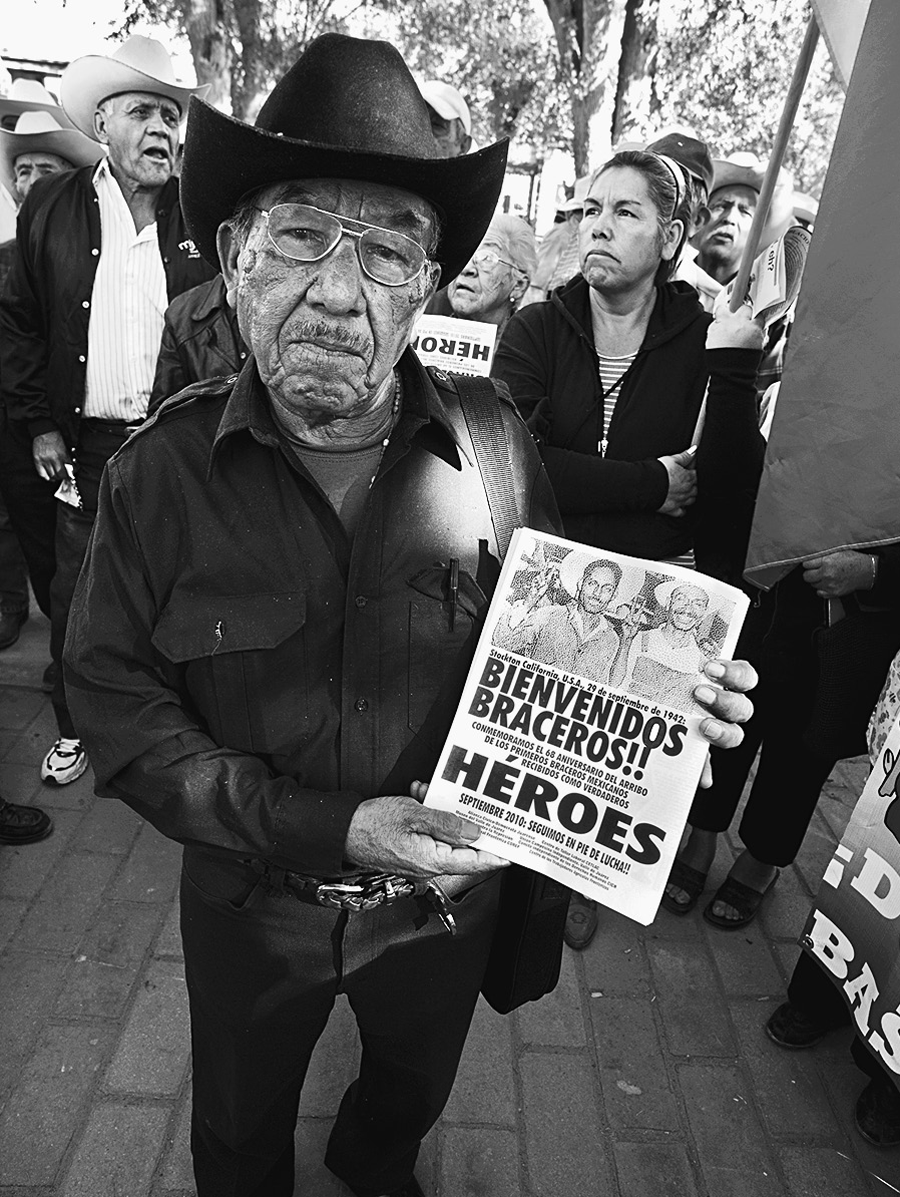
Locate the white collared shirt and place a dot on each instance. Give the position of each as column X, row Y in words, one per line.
column 128, row 304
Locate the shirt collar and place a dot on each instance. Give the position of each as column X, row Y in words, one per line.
column 248, row 410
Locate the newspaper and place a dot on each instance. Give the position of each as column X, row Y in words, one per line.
column 775, row 277
column 463, row 346
column 575, row 746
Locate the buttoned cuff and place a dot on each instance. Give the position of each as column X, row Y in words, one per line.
column 311, row 831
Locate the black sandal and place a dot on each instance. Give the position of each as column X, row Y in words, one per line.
column 744, row 898
column 691, row 880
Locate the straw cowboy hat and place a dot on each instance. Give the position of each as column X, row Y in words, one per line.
column 27, row 95
column 347, row 109
column 39, row 132
column 139, row 64
column 746, row 170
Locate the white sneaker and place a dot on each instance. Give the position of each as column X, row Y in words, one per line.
column 65, row 762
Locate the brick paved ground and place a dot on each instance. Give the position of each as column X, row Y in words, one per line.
column 645, row 1075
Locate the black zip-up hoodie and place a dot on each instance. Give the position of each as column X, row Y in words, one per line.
column 548, row 360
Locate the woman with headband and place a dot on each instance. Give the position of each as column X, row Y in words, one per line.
column 611, row 374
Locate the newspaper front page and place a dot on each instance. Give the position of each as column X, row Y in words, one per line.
column 575, row 746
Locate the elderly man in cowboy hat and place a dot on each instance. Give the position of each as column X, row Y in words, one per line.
column 279, row 606
column 102, row 251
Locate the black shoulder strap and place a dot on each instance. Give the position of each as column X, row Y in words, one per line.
column 481, row 408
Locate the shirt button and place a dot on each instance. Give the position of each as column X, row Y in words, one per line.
column 361, row 600
column 85, row 304
column 95, row 252
column 362, row 704
column 77, row 411
column 82, row 358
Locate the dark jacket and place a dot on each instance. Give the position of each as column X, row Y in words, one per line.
column 547, row 358
column 200, row 340
column 45, row 307
column 242, row 672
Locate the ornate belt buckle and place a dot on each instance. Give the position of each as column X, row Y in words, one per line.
column 377, row 889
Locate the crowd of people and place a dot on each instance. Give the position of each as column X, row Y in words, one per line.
column 239, row 496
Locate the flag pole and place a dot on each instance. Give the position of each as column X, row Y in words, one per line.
column 791, row 104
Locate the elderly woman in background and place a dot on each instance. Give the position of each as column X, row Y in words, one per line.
column 611, row 373
column 497, row 276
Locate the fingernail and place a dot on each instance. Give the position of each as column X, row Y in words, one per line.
column 714, row 669
column 705, row 694
column 713, row 730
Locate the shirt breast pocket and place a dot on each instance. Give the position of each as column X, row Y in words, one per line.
column 442, row 638
column 246, row 669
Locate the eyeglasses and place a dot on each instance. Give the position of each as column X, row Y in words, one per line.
column 489, row 259
column 306, row 234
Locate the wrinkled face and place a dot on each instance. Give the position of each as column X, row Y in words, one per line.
column 30, row 167
column 489, row 286
column 598, row 585
column 141, row 131
column 731, row 215
column 326, row 336
column 687, row 606
column 452, row 139
column 619, row 239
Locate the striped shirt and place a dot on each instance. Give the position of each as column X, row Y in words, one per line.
column 612, row 370
column 128, row 304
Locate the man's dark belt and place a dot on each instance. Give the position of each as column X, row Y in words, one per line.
column 357, row 893
column 122, row 428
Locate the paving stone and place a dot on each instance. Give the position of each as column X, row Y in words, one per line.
column 633, row 1074
column 118, row 1152
column 18, row 707
column 484, row 1090
column 109, row 827
column 673, row 928
column 152, row 1056
column 691, row 1001
column 48, row 1103
column 556, row 1020
column 312, row 1177
column 820, row 1171
column 784, row 913
column 845, row 1082
column 151, row 870
column 28, row 988
column 745, row 964
column 76, row 795
column 108, row 960
column 24, row 870
column 796, row 1103
column 34, row 740
column 334, row 1064
column 12, row 911
column 168, row 943
column 619, row 965
column 481, row 1162
column 177, row 1172
column 660, row 1169
column 66, row 904
column 734, row 1156
column 563, row 1126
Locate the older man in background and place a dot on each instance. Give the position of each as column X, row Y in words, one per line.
column 101, row 252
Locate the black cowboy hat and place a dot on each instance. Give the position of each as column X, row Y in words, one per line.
column 347, row 109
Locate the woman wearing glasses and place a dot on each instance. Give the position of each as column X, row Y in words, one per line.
column 497, row 276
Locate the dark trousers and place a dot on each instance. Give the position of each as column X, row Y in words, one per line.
column 263, row 971
column 31, row 508
column 811, row 991
column 777, row 640
column 13, row 572
column 73, row 531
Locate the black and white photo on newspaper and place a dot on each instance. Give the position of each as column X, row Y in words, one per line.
column 575, row 746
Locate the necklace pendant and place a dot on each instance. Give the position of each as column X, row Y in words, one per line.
column 602, row 447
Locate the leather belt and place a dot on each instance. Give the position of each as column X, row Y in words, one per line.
column 111, row 427
column 357, row 893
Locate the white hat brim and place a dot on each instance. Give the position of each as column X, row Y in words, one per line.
column 88, row 81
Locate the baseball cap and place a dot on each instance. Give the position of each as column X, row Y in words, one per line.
column 446, row 101
column 688, row 152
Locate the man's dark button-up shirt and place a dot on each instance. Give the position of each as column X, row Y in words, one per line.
column 243, row 673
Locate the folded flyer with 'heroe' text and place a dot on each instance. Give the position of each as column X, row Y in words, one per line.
column 576, row 745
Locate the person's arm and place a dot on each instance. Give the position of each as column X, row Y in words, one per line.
column 583, row 483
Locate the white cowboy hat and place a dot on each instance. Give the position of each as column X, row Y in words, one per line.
column 747, row 170
column 27, row 95
column 39, row 132
column 571, row 571
column 139, row 64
